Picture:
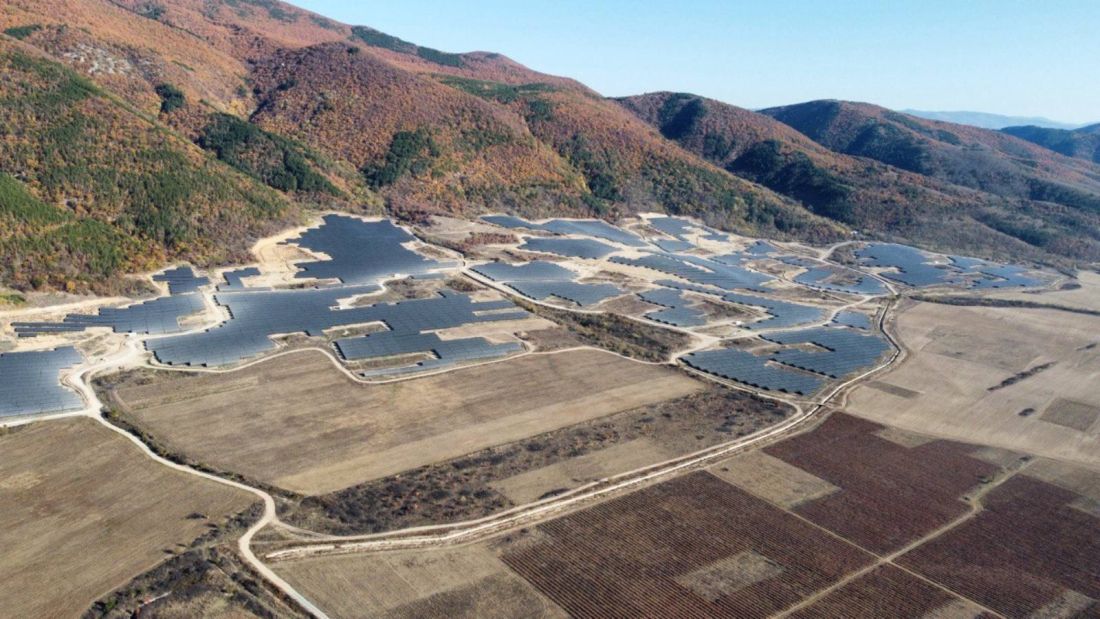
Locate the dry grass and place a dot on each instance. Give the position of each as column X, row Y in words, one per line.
column 466, row 582
column 772, row 479
column 1087, row 296
column 958, row 353
column 82, row 511
column 299, row 423
column 532, row 485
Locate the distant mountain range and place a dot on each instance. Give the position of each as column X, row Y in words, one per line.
column 134, row 132
column 991, row 121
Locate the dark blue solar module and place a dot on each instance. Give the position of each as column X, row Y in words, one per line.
column 586, row 227
column 839, row 279
column 915, row 270
column 181, row 280
column 856, row 320
column 673, row 246
column 679, row 228
column 783, row 313
column 233, row 278
column 257, row 316
column 745, row 367
column 844, row 350
column 30, row 382
column 1004, row 276
column 157, row 316
column 761, row 248
column 389, row 343
column 362, row 252
column 541, row 280
column 677, row 310
column 573, row 248
column 699, row 270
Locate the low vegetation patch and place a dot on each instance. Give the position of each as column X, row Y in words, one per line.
column 616, row 333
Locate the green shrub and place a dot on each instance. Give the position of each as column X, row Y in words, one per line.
column 411, row 152
column 22, row 32
column 171, row 98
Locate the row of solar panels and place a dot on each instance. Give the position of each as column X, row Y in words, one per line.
column 541, row 280
column 915, row 268
column 30, row 382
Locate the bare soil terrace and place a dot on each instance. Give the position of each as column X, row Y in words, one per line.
column 82, row 511
column 299, row 423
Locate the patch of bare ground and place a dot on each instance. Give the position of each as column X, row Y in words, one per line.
column 83, row 511
column 207, row 579
column 493, row 479
column 299, row 423
column 467, row 582
column 955, row 354
column 552, row 338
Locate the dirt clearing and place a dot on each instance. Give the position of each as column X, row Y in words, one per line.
column 299, row 423
column 82, row 511
column 465, row 582
column 943, row 387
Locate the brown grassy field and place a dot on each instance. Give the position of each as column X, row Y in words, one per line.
column 467, row 582
column 889, row 494
column 692, row 547
column 82, row 511
column 1030, row 552
column 957, row 354
column 888, row 592
column 299, row 423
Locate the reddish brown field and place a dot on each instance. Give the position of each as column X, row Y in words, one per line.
column 885, row 592
column 691, row 547
column 890, row 494
column 1022, row 553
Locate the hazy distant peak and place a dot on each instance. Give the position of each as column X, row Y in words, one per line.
column 991, row 121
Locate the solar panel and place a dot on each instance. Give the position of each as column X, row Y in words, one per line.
column 573, row 248
column 856, row 320
column 30, row 382
column 233, row 278
column 782, row 313
column 680, row 228
column 843, row 351
column 839, row 279
column 753, row 370
column 362, row 252
column 181, row 280
column 699, row 270
column 257, row 316
column 157, row 316
column 677, row 310
column 585, row 227
column 542, row 280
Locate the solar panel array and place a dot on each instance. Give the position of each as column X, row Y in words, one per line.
column 846, row 350
column 233, row 278
column 257, row 316
column 677, row 312
column 181, row 280
column 585, row 227
column 914, row 268
column 839, row 279
column 542, row 280
column 447, row 352
column 783, row 314
column 699, row 270
column 856, row 320
column 30, row 382
column 680, row 227
column 157, row 316
column 753, row 370
column 362, row 252
column 573, row 248
column 673, row 246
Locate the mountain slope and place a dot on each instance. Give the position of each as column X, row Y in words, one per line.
column 1083, row 143
column 864, row 193
column 93, row 189
column 1049, row 201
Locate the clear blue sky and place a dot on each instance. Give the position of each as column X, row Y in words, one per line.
column 1017, row 57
